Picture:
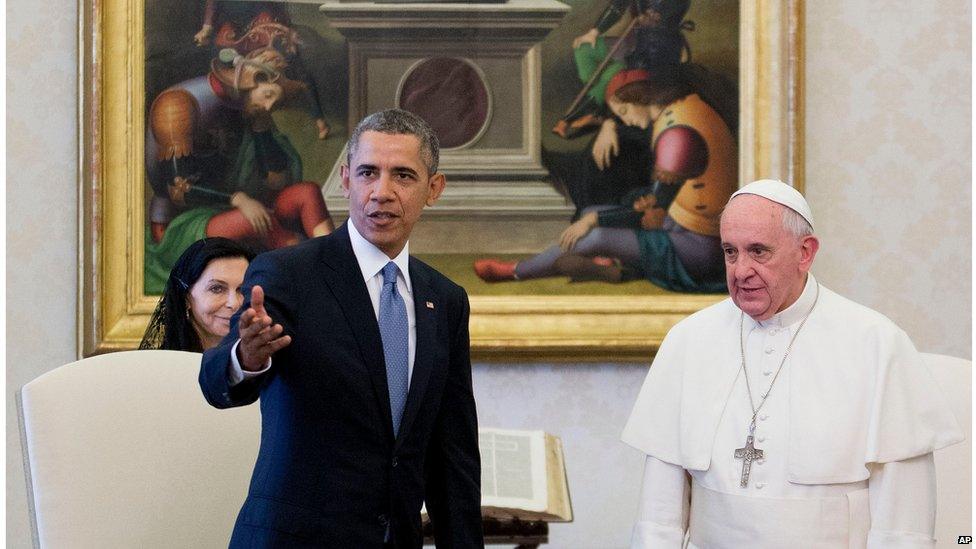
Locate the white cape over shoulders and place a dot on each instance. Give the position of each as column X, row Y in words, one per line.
column 859, row 393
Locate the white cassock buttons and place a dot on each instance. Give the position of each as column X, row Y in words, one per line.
column 763, row 417
column 760, row 461
column 769, row 350
column 760, row 485
column 761, row 438
column 767, row 372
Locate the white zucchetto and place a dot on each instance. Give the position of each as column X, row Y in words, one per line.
column 780, row 193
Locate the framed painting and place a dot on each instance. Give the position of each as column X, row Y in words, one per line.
column 543, row 127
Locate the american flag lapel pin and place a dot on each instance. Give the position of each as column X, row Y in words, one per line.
column 430, row 304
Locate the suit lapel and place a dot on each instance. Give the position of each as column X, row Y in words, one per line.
column 423, row 363
column 349, row 288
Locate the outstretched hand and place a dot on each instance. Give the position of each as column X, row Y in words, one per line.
column 260, row 337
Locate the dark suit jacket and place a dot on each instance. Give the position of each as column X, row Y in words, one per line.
column 329, row 472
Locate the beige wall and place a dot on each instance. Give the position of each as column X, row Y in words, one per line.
column 889, row 160
column 888, row 175
column 42, row 227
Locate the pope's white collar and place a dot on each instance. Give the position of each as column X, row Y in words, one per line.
column 799, row 309
column 372, row 260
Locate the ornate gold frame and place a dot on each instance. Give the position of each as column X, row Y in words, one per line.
column 113, row 312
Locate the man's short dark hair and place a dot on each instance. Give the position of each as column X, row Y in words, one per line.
column 399, row 122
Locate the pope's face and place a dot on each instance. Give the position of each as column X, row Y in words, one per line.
column 388, row 187
column 765, row 265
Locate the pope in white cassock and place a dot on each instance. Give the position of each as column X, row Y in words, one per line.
column 786, row 416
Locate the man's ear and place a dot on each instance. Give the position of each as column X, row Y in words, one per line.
column 808, row 251
column 344, row 172
column 437, row 183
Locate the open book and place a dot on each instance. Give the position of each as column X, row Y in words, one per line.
column 523, row 476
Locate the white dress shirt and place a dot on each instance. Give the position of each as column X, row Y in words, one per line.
column 371, row 262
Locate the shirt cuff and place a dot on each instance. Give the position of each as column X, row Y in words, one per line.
column 651, row 535
column 236, row 374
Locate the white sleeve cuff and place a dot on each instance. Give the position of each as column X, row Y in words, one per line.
column 651, row 535
column 899, row 540
column 236, row 374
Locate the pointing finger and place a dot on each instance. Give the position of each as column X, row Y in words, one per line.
column 257, row 301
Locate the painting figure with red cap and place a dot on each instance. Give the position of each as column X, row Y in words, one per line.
column 666, row 231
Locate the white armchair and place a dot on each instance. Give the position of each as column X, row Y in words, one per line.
column 122, row 450
column 953, row 465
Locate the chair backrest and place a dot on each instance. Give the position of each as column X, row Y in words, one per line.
column 953, row 465
column 122, row 450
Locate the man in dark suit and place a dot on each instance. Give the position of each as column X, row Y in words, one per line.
column 367, row 408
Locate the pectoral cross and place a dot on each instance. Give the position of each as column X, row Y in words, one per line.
column 747, row 453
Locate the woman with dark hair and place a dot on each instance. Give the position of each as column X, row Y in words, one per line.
column 202, row 293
